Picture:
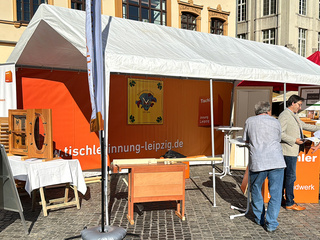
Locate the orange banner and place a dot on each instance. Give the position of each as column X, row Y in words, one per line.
column 306, row 187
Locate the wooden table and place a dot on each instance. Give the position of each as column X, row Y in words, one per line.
column 38, row 175
column 153, row 183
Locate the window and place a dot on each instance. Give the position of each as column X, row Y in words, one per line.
column 26, row 9
column 302, row 42
column 216, row 26
column 78, row 4
column 269, row 7
column 188, row 21
column 242, row 36
column 268, row 36
column 242, row 10
column 303, row 7
column 153, row 11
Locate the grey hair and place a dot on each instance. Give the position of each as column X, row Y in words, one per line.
column 262, row 107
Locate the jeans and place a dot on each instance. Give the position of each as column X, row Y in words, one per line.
column 289, row 179
column 275, row 176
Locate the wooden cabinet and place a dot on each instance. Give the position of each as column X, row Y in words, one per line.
column 156, row 182
column 18, row 141
column 30, row 133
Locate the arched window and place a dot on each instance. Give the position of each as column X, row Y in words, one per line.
column 189, row 21
column 218, row 20
column 216, row 26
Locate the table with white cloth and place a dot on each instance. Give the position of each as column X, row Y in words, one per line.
column 38, row 175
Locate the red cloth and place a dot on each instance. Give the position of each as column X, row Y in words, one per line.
column 276, row 86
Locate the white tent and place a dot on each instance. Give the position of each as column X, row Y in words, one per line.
column 55, row 38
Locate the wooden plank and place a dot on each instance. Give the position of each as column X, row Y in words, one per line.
column 244, row 184
column 165, row 160
column 92, row 179
column 158, row 199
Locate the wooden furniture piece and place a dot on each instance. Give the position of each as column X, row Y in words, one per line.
column 308, row 121
column 155, row 182
column 4, row 135
column 31, row 133
column 18, row 141
column 39, row 175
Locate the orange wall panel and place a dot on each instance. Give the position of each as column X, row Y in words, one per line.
column 67, row 94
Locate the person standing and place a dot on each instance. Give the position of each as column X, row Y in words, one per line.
column 292, row 144
column 263, row 133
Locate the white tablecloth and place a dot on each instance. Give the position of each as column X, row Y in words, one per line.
column 41, row 174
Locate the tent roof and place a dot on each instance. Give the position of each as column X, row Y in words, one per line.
column 55, row 38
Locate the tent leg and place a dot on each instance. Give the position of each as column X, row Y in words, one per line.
column 212, row 145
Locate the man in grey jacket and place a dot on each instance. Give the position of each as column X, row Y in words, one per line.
column 291, row 142
column 263, row 133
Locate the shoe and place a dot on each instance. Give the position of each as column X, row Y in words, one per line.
column 295, row 207
column 270, row 230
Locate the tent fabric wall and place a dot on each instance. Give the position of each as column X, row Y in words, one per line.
column 143, row 48
column 180, row 119
column 66, row 93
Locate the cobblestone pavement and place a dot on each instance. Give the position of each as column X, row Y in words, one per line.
column 158, row 221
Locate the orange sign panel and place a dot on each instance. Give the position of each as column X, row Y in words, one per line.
column 204, row 112
column 8, row 76
column 306, row 187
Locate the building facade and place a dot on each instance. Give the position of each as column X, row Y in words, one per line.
column 209, row 16
column 294, row 24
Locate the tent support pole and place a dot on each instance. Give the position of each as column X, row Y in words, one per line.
column 232, row 104
column 103, row 178
column 284, row 95
column 106, row 139
column 212, row 146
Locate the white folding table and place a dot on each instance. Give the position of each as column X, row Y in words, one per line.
column 38, row 175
